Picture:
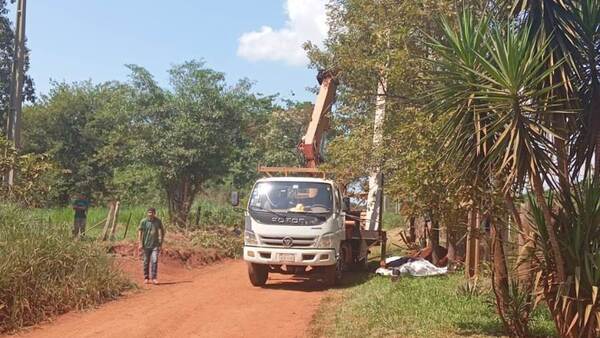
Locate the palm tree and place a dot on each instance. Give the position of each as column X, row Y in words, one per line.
column 490, row 80
column 573, row 30
column 513, row 91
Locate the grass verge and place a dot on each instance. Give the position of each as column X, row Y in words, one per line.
column 412, row 307
column 43, row 272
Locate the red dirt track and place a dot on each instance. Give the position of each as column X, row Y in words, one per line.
column 213, row 301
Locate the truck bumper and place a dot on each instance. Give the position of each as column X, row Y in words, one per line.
column 281, row 256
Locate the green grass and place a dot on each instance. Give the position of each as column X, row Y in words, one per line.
column 392, row 220
column 64, row 218
column 211, row 215
column 413, row 307
column 44, row 272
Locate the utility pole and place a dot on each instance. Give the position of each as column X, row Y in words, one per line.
column 13, row 127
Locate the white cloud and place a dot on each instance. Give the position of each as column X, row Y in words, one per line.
column 307, row 21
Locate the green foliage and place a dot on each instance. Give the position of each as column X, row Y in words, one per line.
column 492, row 82
column 45, row 273
column 519, row 96
column 103, row 137
column 268, row 135
column 220, row 238
column 31, row 171
column 578, row 214
column 392, row 221
column 212, row 214
column 369, row 41
column 79, row 125
column 187, row 134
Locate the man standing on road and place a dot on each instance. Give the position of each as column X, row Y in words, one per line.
column 151, row 235
column 80, row 205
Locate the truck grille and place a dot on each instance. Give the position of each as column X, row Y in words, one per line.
column 297, row 242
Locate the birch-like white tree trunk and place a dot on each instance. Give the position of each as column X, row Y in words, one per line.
column 374, row 198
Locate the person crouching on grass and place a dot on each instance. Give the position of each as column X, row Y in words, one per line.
column 151, row 235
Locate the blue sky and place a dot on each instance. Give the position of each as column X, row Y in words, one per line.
column 92, row 39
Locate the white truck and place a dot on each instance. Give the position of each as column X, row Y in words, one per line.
column 298, row 224
column 293, row 223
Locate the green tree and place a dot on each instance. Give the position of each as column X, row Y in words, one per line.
column 372, row 43
column 76, row 125
column 188, row 133
column 268, row 135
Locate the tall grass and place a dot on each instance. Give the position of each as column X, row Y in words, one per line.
column 211, row 214
column 95, row 216
column 44, row 272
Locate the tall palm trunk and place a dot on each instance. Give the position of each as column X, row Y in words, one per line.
column 525, row 245
column 435, row 241
column 595, row 111
column 472, row 245
column 538, row 191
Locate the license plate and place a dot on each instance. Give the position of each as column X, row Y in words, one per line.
column 284, row 257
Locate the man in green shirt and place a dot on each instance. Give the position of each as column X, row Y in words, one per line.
column 151, row 234
column 80, row 206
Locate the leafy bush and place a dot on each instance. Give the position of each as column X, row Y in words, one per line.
column 43, row 272
column 212, row 214
column 222, row 239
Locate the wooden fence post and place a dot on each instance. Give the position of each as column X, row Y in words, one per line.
column 115, row 220
column 111, row 210
column 127, row 226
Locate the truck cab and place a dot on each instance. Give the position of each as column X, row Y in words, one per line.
column 293, row 223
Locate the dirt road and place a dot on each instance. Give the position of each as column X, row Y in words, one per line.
column 214, row 301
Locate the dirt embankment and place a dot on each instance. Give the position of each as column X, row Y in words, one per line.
column 170, row 256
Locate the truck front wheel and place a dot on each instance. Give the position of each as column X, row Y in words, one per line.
column 258, row 274
column 334, row 273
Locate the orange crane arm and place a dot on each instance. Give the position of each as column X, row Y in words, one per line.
column 311, row 142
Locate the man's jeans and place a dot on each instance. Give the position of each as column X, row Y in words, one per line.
column 150, row 259
column 79, row 227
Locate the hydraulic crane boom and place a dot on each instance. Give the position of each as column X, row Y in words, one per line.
column 310, row 144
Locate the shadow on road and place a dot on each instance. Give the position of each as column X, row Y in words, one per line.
column 313, row 282
column 174, row 282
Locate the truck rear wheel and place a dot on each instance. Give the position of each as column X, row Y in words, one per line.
column 258, row 274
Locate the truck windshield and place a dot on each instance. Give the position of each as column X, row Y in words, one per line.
column 295, row 197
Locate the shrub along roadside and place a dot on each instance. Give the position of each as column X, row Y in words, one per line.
column 227, row 242
column 43, row 272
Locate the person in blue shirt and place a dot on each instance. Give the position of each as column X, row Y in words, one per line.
column 80, row 206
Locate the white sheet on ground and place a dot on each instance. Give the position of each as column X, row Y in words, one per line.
column 418, row 268
column 384, row 272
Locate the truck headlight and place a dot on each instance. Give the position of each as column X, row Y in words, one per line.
column 326, row 241
column 250, row 238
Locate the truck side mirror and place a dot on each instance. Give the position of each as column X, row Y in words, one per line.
column 235, row 198
column 346, row 203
